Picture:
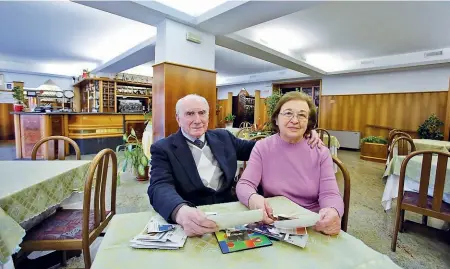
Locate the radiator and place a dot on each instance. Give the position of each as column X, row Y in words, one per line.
column 347, row 139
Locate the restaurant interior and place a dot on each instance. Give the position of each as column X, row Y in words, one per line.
column 86, row 88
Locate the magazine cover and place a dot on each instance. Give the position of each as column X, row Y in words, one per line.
column 238, row 240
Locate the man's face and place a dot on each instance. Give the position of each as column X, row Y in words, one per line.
column 193, row 117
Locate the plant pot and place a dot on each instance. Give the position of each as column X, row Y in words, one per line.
column 18, row 107
column 229, row 124
column 144, row 177
column 374, row 152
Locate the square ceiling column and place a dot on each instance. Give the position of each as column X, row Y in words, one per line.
column 181, row 67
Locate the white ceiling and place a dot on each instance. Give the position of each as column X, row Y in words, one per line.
column 65, row 34
column 329, row 34
column 316, row 38
column 230, row 63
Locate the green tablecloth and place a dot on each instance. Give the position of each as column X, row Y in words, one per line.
column 428, row 144
column 414, row 169
column 29, row 188
column 342, row 251
column 333, row 143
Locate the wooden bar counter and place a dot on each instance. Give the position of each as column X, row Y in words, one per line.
column 91, row 131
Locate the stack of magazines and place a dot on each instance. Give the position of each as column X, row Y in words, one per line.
column 158, row 234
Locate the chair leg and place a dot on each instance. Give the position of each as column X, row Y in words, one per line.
column 87, row 256
column 63, row 258
column 396, row 228
column 425, row 220
column 402, row 221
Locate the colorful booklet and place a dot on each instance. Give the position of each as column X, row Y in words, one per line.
column 297, row 236
column 233, row 240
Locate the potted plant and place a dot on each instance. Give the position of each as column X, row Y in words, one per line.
column 229, row 120
column 271, row 102
column 374, row 148
column 131, row 154
column 20, row 99
column 431, row 128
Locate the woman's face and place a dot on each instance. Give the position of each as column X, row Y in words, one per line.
column 293, row 120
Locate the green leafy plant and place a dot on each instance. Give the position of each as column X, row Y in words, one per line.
column 374, row 139
column 431, row 128
column 271, row 102
column 230, row 118
column 131, row 155
column 18, row 95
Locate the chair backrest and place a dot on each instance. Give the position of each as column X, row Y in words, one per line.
column 322, row 133
column 405, row 145
column 422, row 206
column 52, row 147
column 97, row 178
column 255, row 138
column 346, row 175
column 399, row 134
column 246, row 124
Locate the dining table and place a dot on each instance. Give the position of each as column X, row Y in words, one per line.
column 429, row 144
column 29, row 188
column 321, row 251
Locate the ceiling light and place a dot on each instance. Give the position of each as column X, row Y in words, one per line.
column 193, row 7
column 327, row 62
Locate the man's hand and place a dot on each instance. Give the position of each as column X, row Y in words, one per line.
column 329, row 222
column 314, row 140
column 256, row 201
column 194, row 221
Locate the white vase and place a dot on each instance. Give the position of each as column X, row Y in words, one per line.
column 229, row 125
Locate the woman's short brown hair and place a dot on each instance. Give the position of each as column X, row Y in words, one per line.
column 290, row 96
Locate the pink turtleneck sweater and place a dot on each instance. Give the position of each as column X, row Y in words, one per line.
column 303, row 174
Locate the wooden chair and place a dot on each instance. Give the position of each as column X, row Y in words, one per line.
column 405, row 146
column 322, row 133
column 75, row 229
column 346, row 174
column 391, row 133
column 61, row 147
column 420, row 202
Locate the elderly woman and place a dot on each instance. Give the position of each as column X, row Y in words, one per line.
column 285, row 165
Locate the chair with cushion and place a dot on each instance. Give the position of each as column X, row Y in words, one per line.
column 52, row 147
column 346, row 175
column 72, row 229
column 420, row 202
column 322, row 132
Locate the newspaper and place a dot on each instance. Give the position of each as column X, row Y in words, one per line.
column 158, row 234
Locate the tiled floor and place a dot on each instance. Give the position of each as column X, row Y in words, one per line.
column 418, row 247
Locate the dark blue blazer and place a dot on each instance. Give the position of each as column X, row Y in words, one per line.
column 174, row 178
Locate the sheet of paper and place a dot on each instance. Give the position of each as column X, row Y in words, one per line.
column 231, row 220
column 302, row 221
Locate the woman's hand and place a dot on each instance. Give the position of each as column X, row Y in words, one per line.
column 329, row 222
column 256, row 201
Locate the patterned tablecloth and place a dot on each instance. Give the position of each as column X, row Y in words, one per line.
column 342, row 251
column 29, row 188
column 428, row 144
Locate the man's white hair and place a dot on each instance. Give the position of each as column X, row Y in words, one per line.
column 179, row 104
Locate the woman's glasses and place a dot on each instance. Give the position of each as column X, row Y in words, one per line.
column 302, row 116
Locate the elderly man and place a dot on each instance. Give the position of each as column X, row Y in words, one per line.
column 195, row 166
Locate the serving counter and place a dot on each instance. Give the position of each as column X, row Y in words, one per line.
column 91, row 131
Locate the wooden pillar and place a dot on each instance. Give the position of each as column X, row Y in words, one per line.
column 257, row 112
column 447, row 116
column 18, row 136
column 173, row 81
column 229, row 108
